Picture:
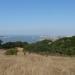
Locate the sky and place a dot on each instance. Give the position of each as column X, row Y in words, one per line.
column 37, row 17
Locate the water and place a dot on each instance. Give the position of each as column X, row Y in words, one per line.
column 29, row 39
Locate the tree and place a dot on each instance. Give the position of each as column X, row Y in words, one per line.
column 1, row 43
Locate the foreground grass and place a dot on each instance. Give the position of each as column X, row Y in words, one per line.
column 33, row 64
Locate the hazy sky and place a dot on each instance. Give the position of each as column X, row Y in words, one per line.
column 53, row 17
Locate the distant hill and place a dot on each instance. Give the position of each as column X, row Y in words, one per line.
column 61, row 46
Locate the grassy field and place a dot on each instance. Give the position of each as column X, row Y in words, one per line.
column 33, row 64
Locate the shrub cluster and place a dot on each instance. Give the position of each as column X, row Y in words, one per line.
column 62, row 46
column 9, row 45
column 11, row 52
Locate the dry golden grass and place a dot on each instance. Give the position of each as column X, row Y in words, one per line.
column 33, row 64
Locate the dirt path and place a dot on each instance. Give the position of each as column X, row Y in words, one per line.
column 20, row 52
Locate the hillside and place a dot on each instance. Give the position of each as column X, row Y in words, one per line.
column 23, row 58
column 33, row 64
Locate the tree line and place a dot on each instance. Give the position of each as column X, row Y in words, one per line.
column 61, row 46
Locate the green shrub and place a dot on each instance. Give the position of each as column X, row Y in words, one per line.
column 9, row 45
column 11, row 52
column 62, row 46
